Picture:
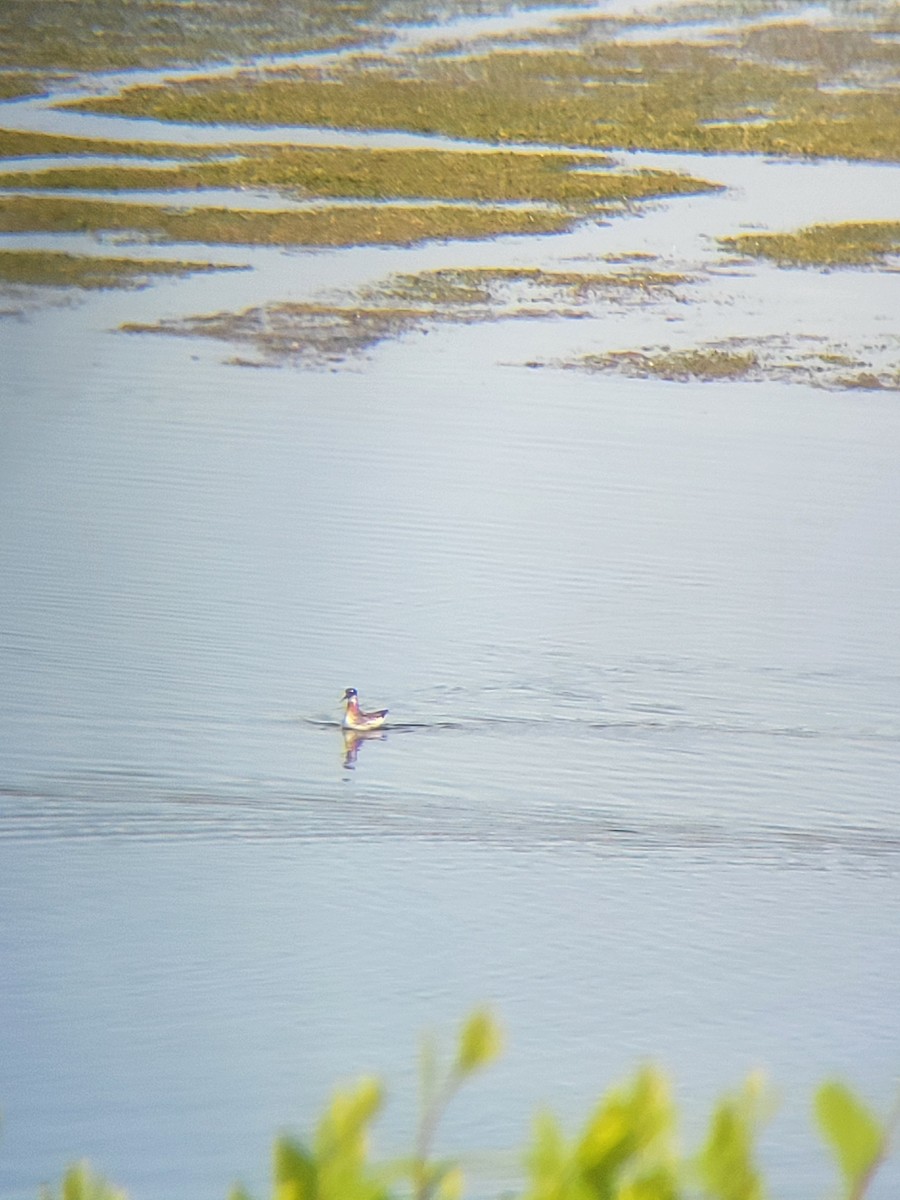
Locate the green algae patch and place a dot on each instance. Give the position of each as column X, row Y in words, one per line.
column 351, row 225
column 339, row 173
column 864, row 243
column 40, row 268
column 665, row 95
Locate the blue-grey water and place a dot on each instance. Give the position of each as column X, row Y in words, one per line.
column 641, row 649
column 640, row 642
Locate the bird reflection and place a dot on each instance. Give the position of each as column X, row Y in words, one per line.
column 353, row 739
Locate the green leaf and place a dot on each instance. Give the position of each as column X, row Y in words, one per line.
column 548, row 1153
column 342, row 1145
column 850, row 1128
column 452, row 1184
column 295, row 1172
column 343, row 1130
column 80, row 1183
column 549, row 1160
column 659, row 1184
column 631, row 1130
column 726, row 1164
column 480, row 1042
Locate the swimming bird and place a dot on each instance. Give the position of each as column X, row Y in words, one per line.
column 355, row 718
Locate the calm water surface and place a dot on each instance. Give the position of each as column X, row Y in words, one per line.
column 640, row 644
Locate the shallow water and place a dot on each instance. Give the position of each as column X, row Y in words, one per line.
column 640, row 646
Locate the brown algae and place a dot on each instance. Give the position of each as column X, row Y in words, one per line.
column 704, row 363
column 15, row 84
column 337, row 172
column 50, row 268
column 301, row 334
column 32, row 144
column 452, row 293
column 482, row 187
column 657, row 95
column 94, row 35
column 755, row 81
column 863, row 243
column 776, row 359
column 315, row 334
column 327, row 226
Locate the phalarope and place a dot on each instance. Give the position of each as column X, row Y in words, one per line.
column 355, row 718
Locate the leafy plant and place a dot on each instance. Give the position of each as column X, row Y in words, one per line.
column 336, row 1165
column 627, row 1150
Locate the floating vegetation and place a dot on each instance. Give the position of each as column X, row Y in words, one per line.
column 518, row 291
column 705, row 363
column 775, row 359
column 562, row 187
column 29, row 144
column 95, row 35
column 21, row 83
column 99, row 34
column 862, row 243
column 317, row 334
column 338, row 172
column 854, row 57
column 327, row 226
column 300, row 334
column 50, row 268
column 741, row 75
column 661, row 95
column 869, row 381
